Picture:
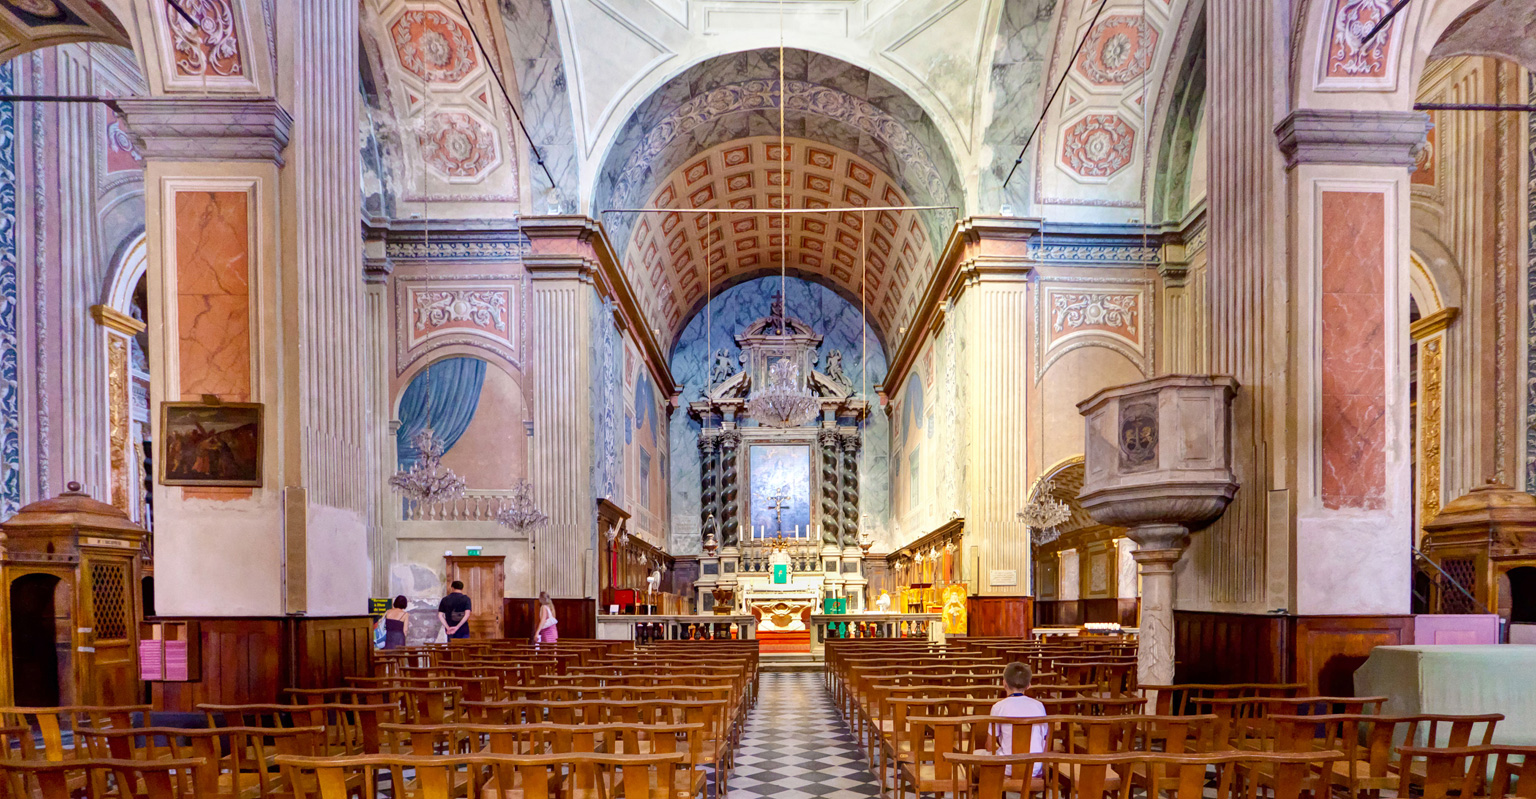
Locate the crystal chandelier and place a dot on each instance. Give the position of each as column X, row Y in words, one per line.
column 428, row 481
column 521, row 514
column 1044, row 514
column 786, row 401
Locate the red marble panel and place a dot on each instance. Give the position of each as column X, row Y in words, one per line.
column 1353, row 397
column 213, row 294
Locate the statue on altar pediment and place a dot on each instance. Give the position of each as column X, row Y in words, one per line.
column 721, row 369
column 835, row 369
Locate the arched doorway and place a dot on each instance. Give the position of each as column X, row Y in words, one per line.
column 36, row 672
column 1522, row 595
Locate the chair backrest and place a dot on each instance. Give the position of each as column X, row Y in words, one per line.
column 1069, row 776
column 228, row 754
column 132, row 779
column 55, row 724
column 486, row 775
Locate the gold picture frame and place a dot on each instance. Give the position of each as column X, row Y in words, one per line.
column 210, row 444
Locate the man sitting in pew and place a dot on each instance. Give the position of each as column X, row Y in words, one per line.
column 1016, row 679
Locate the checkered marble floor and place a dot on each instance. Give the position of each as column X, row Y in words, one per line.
column 796, row 745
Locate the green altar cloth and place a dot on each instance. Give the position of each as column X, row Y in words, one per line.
column 1457, row 679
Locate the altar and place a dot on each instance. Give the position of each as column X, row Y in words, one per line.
column 782, row 530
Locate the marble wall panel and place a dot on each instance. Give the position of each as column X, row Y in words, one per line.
column 213, row 294
column 541, row 80
column 1353, row 396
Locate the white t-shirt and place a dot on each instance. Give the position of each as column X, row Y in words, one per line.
column 1019, row 706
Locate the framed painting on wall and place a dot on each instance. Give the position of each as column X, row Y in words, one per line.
column 210, row 444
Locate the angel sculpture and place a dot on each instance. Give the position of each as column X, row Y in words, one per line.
column 835, row 369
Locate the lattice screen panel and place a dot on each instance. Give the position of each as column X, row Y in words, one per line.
column 1452, row 600
column 109, row 592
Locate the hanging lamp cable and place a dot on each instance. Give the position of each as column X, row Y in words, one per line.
column 1047, row 109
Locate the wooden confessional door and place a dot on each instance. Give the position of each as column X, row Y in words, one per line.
column 485, row 580
column 112, row 587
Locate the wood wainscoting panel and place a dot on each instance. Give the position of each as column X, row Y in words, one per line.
column 1230, row 647
column 253, row 659
column 1001, row 615
column 328, row 651
column 242, row 662
column 578, row 617
column 1330, row 648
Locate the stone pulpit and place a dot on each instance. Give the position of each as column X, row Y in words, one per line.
column 1158, row 462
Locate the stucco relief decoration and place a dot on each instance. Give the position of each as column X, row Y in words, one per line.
column 211, row 48
column 1431, row 371
column 433, row 46
column 457, row 145
column 1118, row 51
column 121, row 154
column 1349, row 55
column 1116, row 314
column 47, row 9
column 118, row 416
column 1098, row 146
column 486, row 310
column 482, row 313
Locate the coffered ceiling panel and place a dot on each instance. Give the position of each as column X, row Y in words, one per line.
column 676, row 258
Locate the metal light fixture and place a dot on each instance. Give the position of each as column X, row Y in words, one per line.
column 428, row 481
column 786, row 401
column 521, row 514
column 1044, row 514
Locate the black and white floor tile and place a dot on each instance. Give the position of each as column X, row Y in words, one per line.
column 796, row 745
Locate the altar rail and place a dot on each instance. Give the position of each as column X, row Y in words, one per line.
column 873, row 625
column 675, row 628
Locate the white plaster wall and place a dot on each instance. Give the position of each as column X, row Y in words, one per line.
column 220, row 558
column 1070, row 380
column 338, row 571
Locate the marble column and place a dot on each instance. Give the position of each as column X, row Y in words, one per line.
column 1159, row 548
column 730, row 503
column 831, row 489
column 1349, row 178
column 850, row 534
column 709, row 466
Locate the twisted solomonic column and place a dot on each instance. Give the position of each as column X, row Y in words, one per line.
column 707, row 497
column 851, row 444
column 730, row 516
column 831, row 513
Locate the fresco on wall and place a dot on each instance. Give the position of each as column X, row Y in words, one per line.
column 829, row 314
column 478, row 410
column 645, row 446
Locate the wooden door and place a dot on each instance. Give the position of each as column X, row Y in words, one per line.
column 484, row 578
column 112, row 589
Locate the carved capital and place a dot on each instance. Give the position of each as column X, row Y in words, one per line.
column 207, row 128
column 708, row 442
column 1371, row 138
column 828, row 439
column 852, row 442
column 729, row 440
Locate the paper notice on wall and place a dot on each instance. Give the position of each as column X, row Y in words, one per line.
column 1004, row 577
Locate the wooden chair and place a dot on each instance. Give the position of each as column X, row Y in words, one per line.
column 655, row 776
column 349, row 729
column 54, row 723
column 1178, row 776
column 236, row 761
column 98, row 779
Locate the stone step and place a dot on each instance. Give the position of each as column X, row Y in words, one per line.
column 788, row 661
